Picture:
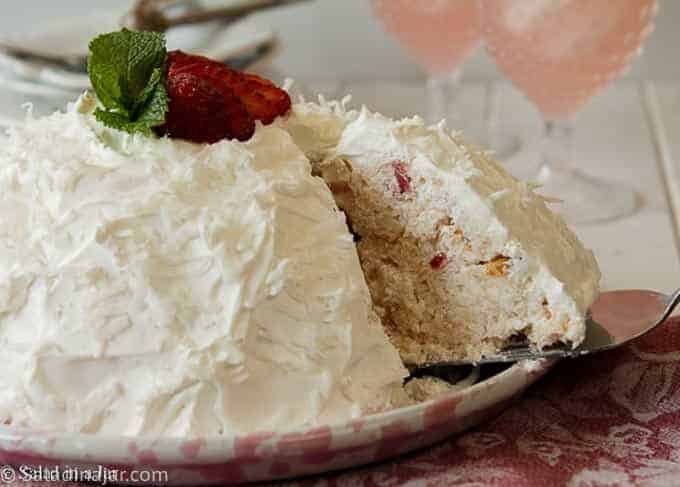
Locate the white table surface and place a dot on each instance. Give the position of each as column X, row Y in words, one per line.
column 630, row 134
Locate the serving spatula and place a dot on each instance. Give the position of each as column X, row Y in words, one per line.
column 615, row 319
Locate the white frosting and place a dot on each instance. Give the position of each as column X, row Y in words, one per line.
column 157, row 287
column 488, row 204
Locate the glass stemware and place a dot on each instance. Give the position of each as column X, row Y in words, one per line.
column 440, row 35
column 561, row 53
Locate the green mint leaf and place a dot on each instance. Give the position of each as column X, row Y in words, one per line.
column 115, row 120
column 148, row 91
column 151, row 114
column 126, row 71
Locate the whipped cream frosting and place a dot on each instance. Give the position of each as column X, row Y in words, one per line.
column 158, row 287
column 485, row 201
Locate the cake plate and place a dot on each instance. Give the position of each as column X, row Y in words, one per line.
column 265, row 455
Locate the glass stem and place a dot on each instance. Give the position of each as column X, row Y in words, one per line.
column 442, row 93
column 491, row 114
column 557, row 147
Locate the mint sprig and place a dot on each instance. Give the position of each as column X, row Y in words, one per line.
column 126, row 71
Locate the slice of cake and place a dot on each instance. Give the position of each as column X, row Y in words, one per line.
column 461, row 258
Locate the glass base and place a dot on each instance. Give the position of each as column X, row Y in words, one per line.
column 444, row 103
column 504, row 145
column 497, row 136
column 586, row 199
column 522, row 164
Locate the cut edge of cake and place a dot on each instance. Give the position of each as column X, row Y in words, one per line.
column 461, row 258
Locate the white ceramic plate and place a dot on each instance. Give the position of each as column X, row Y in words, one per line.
column 271, row 455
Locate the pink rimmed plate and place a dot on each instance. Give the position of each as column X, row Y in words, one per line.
column 270, row 455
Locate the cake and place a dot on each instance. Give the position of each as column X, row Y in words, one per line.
column 186, row 254
column 151, row 286
column 461, row 258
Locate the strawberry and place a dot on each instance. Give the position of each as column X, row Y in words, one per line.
column 201, row 112
column 263, row 100
column 402, row 177
column 439, row 261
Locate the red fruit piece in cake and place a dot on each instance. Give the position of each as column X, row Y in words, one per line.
column 200, row 112
column 439, row 261
column 402, row 177
column 263, row 100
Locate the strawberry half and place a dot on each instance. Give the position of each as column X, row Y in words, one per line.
column 201, row 113
column 263, row 100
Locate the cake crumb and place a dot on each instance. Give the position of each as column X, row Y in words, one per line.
column 546, row 310
column 425, row 388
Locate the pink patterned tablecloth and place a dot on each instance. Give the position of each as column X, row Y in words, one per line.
column 607, row 420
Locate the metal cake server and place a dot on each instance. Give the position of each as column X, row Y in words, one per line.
column 615, row 319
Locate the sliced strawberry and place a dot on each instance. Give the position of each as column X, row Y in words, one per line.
column 177, row 59
column 263, row 100
column 200, row 112
column 402, row 177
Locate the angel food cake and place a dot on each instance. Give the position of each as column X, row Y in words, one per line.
column 189, row 255
column 460, row 257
